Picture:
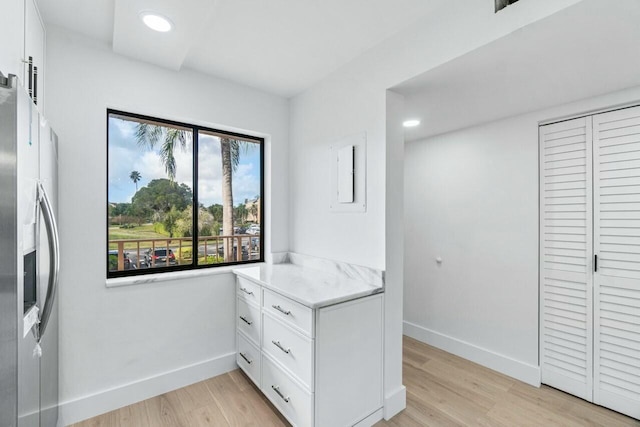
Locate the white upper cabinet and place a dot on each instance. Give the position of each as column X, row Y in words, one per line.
column 34, row 47
column 22, row 35
column 12, row 37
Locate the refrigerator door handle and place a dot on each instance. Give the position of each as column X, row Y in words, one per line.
column 54, row 254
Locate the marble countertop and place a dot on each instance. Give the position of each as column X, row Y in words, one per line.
column 309, row 286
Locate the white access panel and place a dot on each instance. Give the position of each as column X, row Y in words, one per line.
column 347, row 186
column 616, row 147
column 566, row 230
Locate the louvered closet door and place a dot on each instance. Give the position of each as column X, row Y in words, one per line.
column 616, row 148
column 566, row 224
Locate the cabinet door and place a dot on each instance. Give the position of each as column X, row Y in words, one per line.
column 34, row 46
column 616, row 147
column 12, row 36
column 566, row 230
column 349, row 371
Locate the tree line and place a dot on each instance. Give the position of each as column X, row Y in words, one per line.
column 162, row 201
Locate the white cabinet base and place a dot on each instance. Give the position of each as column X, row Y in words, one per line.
column 319, row 367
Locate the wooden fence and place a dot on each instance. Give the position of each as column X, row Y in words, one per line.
column 211, row 250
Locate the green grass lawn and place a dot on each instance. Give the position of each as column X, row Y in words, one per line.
column 144, row 231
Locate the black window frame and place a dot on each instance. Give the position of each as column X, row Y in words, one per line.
column 501, row 4
column 196, row 129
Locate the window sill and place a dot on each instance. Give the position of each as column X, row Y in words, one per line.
column 167, row 277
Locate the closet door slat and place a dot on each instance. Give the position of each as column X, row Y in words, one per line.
column 566, row 254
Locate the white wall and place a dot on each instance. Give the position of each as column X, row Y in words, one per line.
column 395, row 392
column 119, row 345
column 471, row 198
column 353, row 100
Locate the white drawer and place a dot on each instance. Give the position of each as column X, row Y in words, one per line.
column 249, row 320
column 295, row 403
column 292, row 349
column 249, row 359
column 296, row 314
column 249, row 290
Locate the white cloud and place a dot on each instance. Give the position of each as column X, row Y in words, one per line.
column 120, row 167
column 126, row 128
column 209, row 170
column 246, row 183
column 150, row 167
column 210, row 192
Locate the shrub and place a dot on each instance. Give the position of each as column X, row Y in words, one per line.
column 210, row 259
column 185, row 253
column 158, row 227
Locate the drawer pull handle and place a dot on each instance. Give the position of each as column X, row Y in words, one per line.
column 246, row 291
column 245, row 358
column 276, row 388
column 277, row 344
column 244, row 319
column 281, row 310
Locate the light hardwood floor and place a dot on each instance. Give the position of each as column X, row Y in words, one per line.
column 442, row 390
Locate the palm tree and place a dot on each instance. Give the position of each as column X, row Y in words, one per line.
column 230, row 159
column 150, row 135
column 241, row 213
column 135, row 177
column 253, row 209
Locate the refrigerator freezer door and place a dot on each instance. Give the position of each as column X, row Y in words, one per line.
column 28, row 129
column 10, row 309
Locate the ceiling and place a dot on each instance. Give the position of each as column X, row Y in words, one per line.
column 279, row 46
column 589, row 49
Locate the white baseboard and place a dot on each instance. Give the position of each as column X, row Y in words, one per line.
column 85, row 407
column 524, row 372
column 395, row 402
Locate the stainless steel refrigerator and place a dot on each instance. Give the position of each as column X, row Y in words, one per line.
column 29, row 263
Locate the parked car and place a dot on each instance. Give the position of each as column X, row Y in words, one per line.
column 159, row 258
column 112, row 258
column 253, row 229
column 236, row 230
column 255, row 243
column 245, row 252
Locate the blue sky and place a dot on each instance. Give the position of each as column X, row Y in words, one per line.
column 125, row 156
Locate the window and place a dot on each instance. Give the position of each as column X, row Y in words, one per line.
column 164, row 178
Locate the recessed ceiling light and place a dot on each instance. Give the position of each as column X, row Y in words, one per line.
column 411, row 123
column 156, row 22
